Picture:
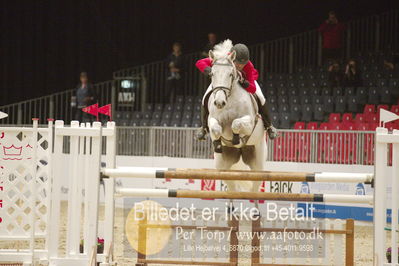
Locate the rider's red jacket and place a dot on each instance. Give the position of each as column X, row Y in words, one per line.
column 249, row 72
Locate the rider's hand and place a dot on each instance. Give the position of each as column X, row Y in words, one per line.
column 208, row 71
column 244, row 83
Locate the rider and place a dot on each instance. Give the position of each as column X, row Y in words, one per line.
column 248, row 82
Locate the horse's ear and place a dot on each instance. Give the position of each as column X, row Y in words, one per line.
column 232, row 56
column 211, row 55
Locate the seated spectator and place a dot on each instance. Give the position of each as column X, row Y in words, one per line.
column 334, row 75
column 212, row 41
column 332, row 34
column 391, row 66
column 175, row 64
column 84, row 96
column 352, row 77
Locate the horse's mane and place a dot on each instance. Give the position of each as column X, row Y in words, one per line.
column 222, row 49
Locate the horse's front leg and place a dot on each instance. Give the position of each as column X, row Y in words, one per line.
column 241, row 126
column 215, row 130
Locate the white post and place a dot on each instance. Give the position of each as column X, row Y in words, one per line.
column 380, row 184
column 109, row 183
column 54, row 226
column 395, row 198
column 32, row 189
column 73, row 224
column 93, row 192
column 49, row 152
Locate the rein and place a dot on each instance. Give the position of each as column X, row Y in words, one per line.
column 224, row 89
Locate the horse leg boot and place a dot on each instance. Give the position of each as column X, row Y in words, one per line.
column 215, row 130
column 264, row 112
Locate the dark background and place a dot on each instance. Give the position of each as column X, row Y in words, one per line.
column 46, row 43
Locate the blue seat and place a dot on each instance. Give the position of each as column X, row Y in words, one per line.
column 189, row 99
column 292, row 84
column 146, row 115
column 386, row 95
column 326, row 91
column 282, row 100
column 186, row 123
column 307, row 113
column 283, row 108
column 273, row 108
column 158, row 107
column 271, row 92
column 272, row 99
column 328, row 102
column 314, row 91
column 144, row 122
column 349, row 91
column 353, row 104
column 292, row 92
column 187, row 115
column 285, row 120
column 168, row 107
column 180, row 99
column 149, row 107
column 178, row 107
column 340, row 104
column 156, row 115
column 338, row 91
column 362, row 95
column 382, row 83
column 275, row 119
column 188, row 107
column 295, row 100
column 136, row 115
column 295, row 112
column 306, row 100
column 282, row 91
column 176, row 116
column 373, row 96
column 318, row 113
column 317, row 100
column 155, row 122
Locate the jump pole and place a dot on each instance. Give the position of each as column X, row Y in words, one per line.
column 201, row 194
column 213, row 174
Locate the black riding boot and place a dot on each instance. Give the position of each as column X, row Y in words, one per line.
column 264, row 112
column 203, row 130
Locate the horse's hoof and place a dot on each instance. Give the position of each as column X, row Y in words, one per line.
column 236, row 139
column 217, row 146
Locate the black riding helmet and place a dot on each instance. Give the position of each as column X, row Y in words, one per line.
column 242, row 53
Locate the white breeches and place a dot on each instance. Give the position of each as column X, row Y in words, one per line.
column 258, row 93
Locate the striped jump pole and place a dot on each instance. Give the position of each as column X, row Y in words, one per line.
column 213, row 174
column 199, row 194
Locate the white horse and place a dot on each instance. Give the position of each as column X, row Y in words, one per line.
column 235, row 128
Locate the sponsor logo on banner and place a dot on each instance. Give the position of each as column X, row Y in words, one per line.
column 281, row 187
column 305, row 188
column 208, row 185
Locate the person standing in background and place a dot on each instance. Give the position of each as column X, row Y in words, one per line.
column 212, row 41
column 84, row 96
column 175, row 64
column 332, row 33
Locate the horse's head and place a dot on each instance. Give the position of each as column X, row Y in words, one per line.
column 223, row 76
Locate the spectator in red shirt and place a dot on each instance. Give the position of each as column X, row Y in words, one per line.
column 332, row 33
column 250, row 75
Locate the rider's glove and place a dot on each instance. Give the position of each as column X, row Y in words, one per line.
column 244, row 83
column 207, row 71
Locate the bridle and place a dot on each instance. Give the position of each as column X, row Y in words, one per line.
column 226, row 91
